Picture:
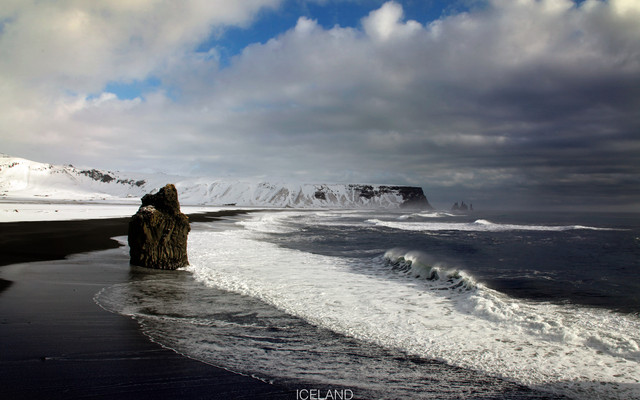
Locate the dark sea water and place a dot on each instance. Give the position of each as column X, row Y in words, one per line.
column 590, row 259
column 404, row 304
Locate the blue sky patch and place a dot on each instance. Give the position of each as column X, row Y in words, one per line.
column 134, row 89
column 271, row 23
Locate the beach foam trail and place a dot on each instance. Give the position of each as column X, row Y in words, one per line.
column 577, row 351
column 251, row 337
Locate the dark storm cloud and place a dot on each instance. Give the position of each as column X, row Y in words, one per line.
column 515, row 102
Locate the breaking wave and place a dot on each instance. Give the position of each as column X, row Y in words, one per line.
column 433, row 214
column 464, row 324
column 409, row 301
column 420, row 266
column 480, row 225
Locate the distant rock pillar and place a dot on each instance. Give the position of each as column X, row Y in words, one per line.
column 158, row 231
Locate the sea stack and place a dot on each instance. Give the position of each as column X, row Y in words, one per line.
column 158, row 231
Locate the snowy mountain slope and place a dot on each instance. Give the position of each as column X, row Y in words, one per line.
column 20, row 178
column 24, row 179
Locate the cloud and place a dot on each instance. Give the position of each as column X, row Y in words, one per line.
column 514, row 98
column 468, row 86
column 386, row 23
column 80, row 46
column 57, row 56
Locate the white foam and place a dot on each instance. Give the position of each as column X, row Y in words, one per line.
column 418, row 265
column 429, row 214
column 577, row 351
column 269, row 222
column 480, row 225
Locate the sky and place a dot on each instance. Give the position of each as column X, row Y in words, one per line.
column 501, row 103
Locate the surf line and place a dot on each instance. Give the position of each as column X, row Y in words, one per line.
column 317, row 394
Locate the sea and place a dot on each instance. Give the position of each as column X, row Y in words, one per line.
column 405, row 304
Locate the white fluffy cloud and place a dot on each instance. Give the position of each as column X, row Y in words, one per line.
column 80, row 45
column 522, row 94
column 55, row 54
column 386, row 23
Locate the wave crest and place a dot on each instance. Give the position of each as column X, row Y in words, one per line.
column 479, row 225
column 420, row 266
column 428, row 214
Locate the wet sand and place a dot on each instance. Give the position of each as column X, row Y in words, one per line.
column 56, row 342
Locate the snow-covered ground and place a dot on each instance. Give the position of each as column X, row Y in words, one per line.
column 46, row 211
column 22, row 179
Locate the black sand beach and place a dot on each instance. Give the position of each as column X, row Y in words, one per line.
column 56, row 342
column 54, row 240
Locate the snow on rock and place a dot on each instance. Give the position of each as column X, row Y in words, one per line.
column 24, row 179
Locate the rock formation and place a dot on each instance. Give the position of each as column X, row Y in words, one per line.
column 158, row 231
column 412, row 197
column 461, row 207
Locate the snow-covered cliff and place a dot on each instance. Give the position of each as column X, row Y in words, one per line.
column 24, row 179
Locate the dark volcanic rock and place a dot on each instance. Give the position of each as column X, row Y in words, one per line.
column 412, row 197
column 97, row 175
column 158, row 231
column 462, row 207
column 166, row 200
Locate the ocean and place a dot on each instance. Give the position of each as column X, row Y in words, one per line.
column 406, row 304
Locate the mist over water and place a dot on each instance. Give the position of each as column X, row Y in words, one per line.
column 395, row 305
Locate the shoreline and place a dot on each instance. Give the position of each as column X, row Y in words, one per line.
column 58, row 343
column 32, row 241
